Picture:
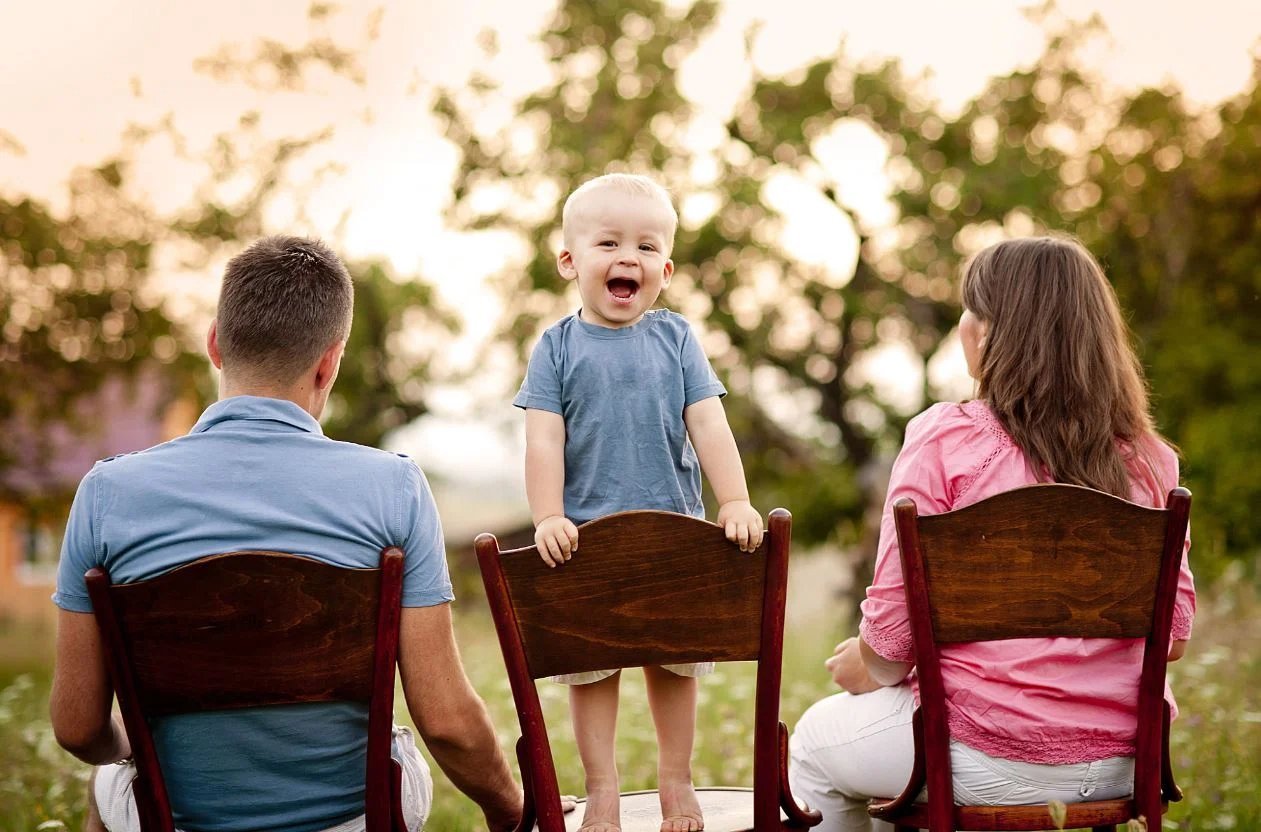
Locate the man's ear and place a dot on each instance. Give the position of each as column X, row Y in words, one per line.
column 565, row 264
column 212, row 345
column 329, row 363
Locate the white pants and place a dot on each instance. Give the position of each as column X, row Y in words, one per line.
column 847, row 749
column 117, row 804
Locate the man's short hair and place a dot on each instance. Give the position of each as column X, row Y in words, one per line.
column 283, row 302
column 629, row 183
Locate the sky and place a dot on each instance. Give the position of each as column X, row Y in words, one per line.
column 75, row 75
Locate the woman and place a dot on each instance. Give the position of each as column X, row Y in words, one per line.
column 1061, row 398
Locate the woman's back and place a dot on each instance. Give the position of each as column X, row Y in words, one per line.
column 1043, row 700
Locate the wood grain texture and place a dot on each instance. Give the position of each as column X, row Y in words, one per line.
column 1046, row 560
column 247, row 629
column 1042, row 561
column 208, row 635
column 1025, row 818
column 647, row 587
column 643, row 588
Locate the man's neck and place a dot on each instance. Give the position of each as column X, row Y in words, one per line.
column 299, row 394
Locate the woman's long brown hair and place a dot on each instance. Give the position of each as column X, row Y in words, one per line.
column 1057, row 366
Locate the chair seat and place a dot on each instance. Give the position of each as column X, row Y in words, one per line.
column 725, row 810
column 1017, row 818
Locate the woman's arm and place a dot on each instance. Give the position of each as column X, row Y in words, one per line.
column 856, row 667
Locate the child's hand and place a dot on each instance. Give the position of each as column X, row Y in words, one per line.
column 557, row 539
column 742, row 524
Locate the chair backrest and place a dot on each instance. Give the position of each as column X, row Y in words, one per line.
column 1043, row 561
column 248, row 629
column 644, row 588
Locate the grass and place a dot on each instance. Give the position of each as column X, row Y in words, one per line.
column 1216, row 742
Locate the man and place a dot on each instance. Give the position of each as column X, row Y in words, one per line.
column 256, row 472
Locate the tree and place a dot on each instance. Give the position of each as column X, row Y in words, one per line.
column 78, row 305
column 80, row 293
column 1041, row 148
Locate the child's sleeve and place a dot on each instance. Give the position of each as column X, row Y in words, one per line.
column 540, row 390
column 699, row 380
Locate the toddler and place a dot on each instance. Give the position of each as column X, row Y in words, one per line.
column 623, row 412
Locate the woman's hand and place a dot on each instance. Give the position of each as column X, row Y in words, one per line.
column 848, row 669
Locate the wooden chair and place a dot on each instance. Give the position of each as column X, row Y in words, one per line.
column 647, row 588
column 247, row 629
column 1040, row 561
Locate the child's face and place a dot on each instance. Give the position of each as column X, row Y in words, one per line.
column 618, row 249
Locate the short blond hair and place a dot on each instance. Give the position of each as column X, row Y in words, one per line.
column 629, row 183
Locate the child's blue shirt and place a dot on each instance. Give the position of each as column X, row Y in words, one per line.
column 622, row 393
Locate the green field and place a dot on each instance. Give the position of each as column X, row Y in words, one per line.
column 1217, row 741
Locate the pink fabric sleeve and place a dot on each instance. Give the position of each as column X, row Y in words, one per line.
column 940, row 456
column 1184, row 604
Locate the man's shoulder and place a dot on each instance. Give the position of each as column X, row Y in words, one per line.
column 371, row 458
column 129, row 461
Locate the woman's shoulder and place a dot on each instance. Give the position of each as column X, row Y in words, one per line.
column 970, row 421
column 961, row 442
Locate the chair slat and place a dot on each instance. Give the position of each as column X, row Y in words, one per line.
column 1045, row 560
column 687, row 595
column 644, row 588
column 1040, row 562
column 247, row 629
column 213, row 629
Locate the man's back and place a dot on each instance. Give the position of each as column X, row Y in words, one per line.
column 256, row 473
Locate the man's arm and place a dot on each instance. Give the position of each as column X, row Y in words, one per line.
column 451, row 717
column 555, row 535
column 716, row 449
column 79, row 706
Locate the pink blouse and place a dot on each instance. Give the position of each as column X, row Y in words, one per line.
column 1036, row 700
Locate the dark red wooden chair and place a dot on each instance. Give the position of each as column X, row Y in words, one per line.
column 247, row 629
column 647, row 588
column 1040, row 561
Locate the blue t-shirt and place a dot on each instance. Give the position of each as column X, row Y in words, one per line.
column 622, row 393
column 256, row 473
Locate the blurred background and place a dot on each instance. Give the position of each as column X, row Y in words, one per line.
column 834, row 164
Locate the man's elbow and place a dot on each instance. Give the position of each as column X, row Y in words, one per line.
column 456, row 731
column 84, row 743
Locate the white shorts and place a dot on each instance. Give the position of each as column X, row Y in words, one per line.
column 847, row 749
column 586, row 678
column 117, row 804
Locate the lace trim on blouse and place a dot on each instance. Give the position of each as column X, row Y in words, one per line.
column 980, row 413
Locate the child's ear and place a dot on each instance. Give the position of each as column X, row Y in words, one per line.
column 565, row 264
column 666, row 273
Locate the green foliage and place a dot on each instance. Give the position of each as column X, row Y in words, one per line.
column 1216, row 741
column 1168, row 200
column 382, row 382
column 78, row 305
column 78, row 296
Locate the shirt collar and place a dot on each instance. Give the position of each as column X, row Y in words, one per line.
column 257, row 408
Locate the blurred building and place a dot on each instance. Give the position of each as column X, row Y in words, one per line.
column 45, row 464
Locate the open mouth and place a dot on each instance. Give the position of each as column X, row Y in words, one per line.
column 622, row 288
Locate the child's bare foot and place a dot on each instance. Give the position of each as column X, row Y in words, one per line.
column 602, row 812
column 680, row 810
